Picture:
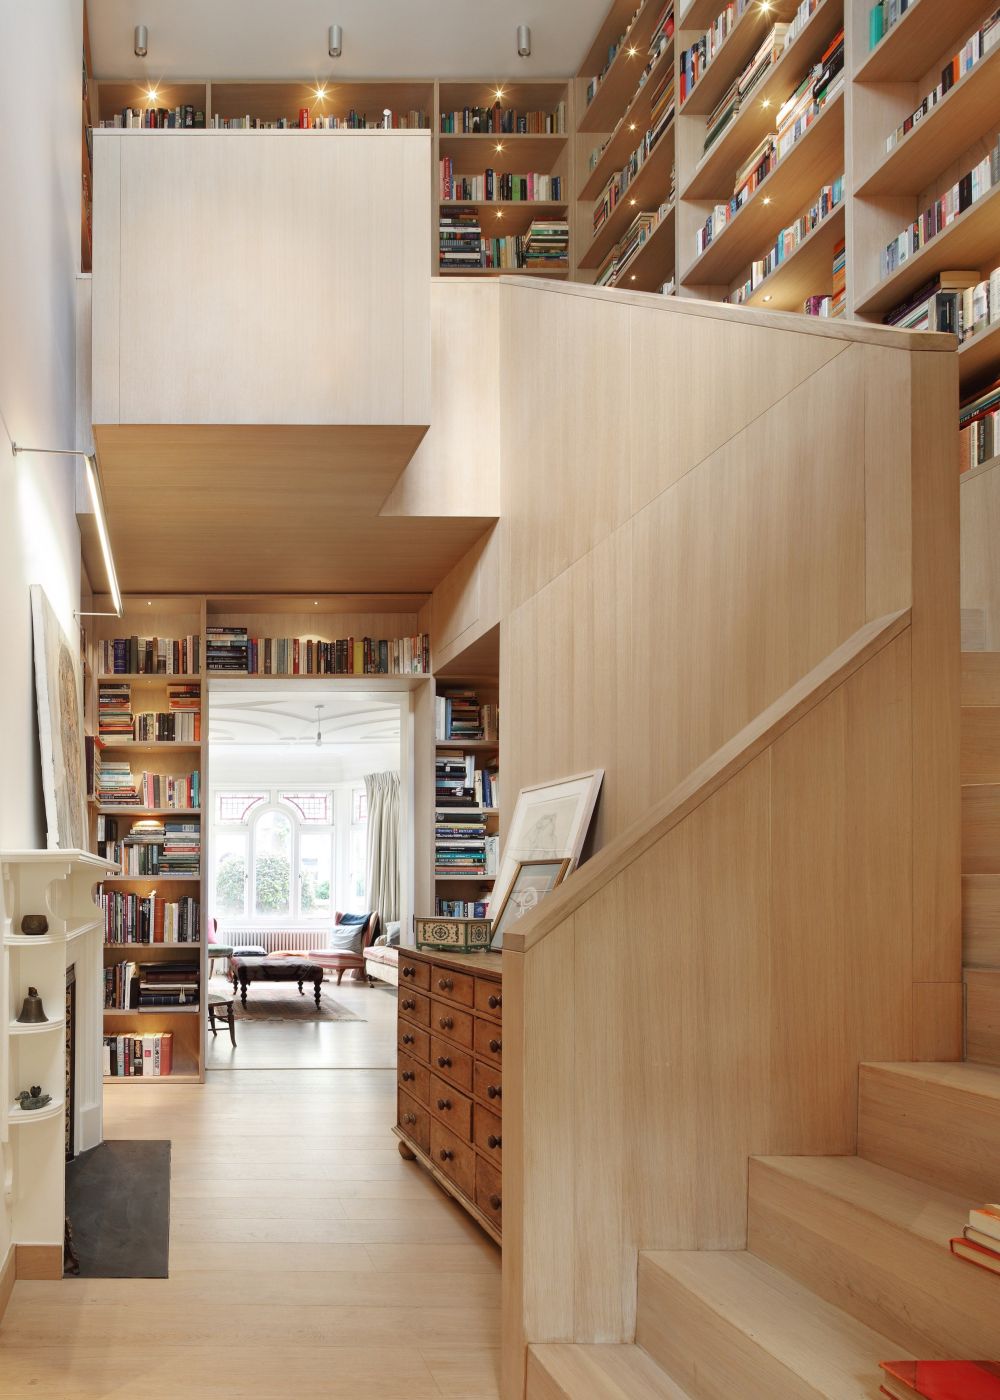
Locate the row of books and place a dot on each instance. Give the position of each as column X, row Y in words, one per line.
column 944, row 211
column 788, row 240
column 820, row 86
column 384, row 120
column 973, row 51
column 882, row 16
column 130, row 986
column 157, row 656
column 232, row 649
column 614, row 270
column 115, row 785
column 504, row 121
column 460, row 714
column 460, row 908
column 835, row 304
column 180, row 724
column 185, row 116
column 661, row 117
column 465, row 855
column 493, row 185
column 459, row 783
column 979, row 428
column 979, row 1241
column 658, row 45
column 961, row 303
column 126, row 1056
column 545, row 245
column 744, row 84
column 133, row 918
column 695, row 60
column 613, row 50
column 153, row 847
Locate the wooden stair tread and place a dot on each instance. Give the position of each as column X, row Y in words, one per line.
column 970, row 1079
column 982, row 1015
column 815, row 1347
column 598, row 1372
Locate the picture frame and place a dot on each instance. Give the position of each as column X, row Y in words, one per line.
column 533, row 880
column 59, row 702
column 550, row 822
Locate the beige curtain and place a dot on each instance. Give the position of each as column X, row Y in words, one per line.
column 383, row 844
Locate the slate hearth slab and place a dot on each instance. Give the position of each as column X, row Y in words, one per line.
column 118, row 1203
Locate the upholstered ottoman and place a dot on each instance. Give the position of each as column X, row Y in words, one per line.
column 257, row 969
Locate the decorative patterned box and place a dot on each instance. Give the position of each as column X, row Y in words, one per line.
column 454, row 935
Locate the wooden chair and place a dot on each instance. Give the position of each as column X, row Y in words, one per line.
column 226, row 1009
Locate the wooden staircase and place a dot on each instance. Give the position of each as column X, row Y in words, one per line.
column 847, row 1264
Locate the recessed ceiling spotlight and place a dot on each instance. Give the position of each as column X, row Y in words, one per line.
column 140, row 41
column 335, row 45
column 152, row 94
column 767, row 298
column 498, row 94
column 320, row 91
column 766, row 199
column 632, row 51
column 766, row 103
column 498, row 146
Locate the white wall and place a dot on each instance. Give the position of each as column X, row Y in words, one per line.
column 40, row 48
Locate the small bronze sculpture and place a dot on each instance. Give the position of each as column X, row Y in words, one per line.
column 33, row 1097
column 34, row 923
column 32, row 1010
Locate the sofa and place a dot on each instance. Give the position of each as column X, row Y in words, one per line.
column 382, row 955
column 350, row 939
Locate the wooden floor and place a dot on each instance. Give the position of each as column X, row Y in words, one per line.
column 306, row 1258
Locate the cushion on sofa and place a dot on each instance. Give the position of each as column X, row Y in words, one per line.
column 392, row 933
column 389, row 957
column 348, row 937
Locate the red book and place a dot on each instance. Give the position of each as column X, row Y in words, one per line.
column 941, row 1380
column 975, row 1253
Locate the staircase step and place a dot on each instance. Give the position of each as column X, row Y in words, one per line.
column 981, row 678
column 939, row 1123
column 981, row 920
column 980, row 761
column 875, row 1244
column 981, row 828
column 562, row 1371
column 982, row 1016
column 726, row 1324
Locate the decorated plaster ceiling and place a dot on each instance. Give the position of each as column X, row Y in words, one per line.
column 288, row 718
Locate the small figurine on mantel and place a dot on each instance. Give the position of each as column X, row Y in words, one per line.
column 33, row 1097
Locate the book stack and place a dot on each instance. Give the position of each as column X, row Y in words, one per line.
column 128, row 1055
column 165, row 984
column 742, row 89
column 700, row 55
column 940, row 305
column 494, row 185
column 139, row 853
column 975, row 50
column 460, row 844
column 114, row 785
column 181, row 849
column 944, row 211
column 546, row 244
column 161, row 656
column 175, row 790
column 504, row 121
column 458, row 715
column 114, row 710
column 226, row 648
column 940, row 1380
column 460, row 244
column 133, row 918
column 979, row 1241
column 183, row 727
column 347, row 656
column 789, row 239
column 455, row 781
column 979, row 428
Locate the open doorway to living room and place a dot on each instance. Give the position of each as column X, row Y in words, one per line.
column 306, row 857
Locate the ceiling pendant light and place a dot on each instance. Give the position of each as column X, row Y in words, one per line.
column 523, row 41
column 336, row 41
column 140, row 38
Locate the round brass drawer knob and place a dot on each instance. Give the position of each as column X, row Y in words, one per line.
column 408, row 971
column 408, row 1075
column 446, row 1023
column 444, row 1062
column 409, row 1117
column 493, row 1091
column 493, row 1140
column 496, row 1046
column 494, row 1002
column 446, row 1154
column 444, row 1105
column 446, row 984
column 409, row 1004
column 495, row 1202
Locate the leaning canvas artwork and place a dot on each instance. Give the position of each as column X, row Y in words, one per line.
column 59, row 699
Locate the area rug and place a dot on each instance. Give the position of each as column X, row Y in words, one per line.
column 269, row 1001
column 118, row 1204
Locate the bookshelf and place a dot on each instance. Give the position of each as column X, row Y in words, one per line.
column 466, row 733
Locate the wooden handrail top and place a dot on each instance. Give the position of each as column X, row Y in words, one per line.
column 711, row 775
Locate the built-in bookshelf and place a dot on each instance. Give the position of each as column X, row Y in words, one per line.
column 466, row 795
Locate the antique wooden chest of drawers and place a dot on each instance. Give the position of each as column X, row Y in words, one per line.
column 450, row 1074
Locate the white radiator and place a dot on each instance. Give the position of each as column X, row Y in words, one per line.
column 271, row 939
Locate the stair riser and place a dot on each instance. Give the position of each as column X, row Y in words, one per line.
column 982, row 1017
column 540, row 1385
column 936, row 1133
column 894, row 1281
column 981, row 920
column 701, row 1350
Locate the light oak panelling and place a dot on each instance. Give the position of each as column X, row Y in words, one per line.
column 456, row 468
column 466, row 603
column 937, row 1020
column 981, row 829
column 565, row 405
column 982, row 991
column 980, row 524
column 888, row 513
column 981, row 920
column 673, row 363
column 39, row 1261
column 981, row 743
column 106, row 277
column 981, row 678
column 300, row 306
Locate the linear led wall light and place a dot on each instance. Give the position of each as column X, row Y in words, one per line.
column 97, row 501
column 140, row 44
column 336, row 41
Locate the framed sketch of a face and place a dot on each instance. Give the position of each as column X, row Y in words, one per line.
column 550, row 823
column 533, row 880
column 59, row 699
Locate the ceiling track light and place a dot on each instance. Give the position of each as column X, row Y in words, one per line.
column 97, row 501
column 335, row 45
column 523, row 41
column 140, row 39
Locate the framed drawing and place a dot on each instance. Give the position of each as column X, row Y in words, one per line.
column 59, row 700
column 533, row 880
column 550, row 823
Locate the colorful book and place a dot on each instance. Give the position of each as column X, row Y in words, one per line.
column 941, row 1380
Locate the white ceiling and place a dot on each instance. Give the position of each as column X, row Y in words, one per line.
column 262, row 717
column 382, row 38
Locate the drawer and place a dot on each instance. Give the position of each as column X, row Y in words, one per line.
column 455, row 1158
column 487, row 1083
column 451, row 1063
column 413, row 972
column 451, row 1107
column 413, row 1078
column 489, row 997
column 488, row 1132
column 456, row 986
column 488, row 1195
column 450, row 1022
column 414, row 1007
column 415, row 1121
column 489, row 1040
column 413, row 1041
